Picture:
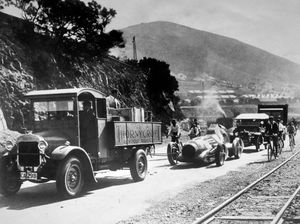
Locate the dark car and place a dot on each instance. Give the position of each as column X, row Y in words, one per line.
column 249, row 127
column 216, row 146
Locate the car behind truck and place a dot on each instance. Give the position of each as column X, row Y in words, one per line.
column 55, row 150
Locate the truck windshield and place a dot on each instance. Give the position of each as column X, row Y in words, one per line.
column 53, row 110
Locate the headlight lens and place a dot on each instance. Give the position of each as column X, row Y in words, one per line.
column 9, row 145
column 42, row 145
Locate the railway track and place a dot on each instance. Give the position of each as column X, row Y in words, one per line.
column 273, row 198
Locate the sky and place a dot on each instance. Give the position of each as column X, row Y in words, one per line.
column 272, row 25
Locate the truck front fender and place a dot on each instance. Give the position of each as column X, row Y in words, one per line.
column 62, row 152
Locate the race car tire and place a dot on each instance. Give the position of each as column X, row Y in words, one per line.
column 172, row 153
column 239, row 147
column 220, row 155
column 226, row 153
column 257, row 144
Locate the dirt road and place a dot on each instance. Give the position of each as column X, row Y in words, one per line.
column 116, row 197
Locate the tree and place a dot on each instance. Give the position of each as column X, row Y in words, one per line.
column 72, row 22
column 161, row 86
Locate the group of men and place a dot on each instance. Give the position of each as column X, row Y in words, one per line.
column 275, row 129
column 175, row 132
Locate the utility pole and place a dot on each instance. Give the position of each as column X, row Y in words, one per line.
column 134, row 49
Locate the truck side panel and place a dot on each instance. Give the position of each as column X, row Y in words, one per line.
column 137, row 133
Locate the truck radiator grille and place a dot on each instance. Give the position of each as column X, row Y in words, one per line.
column 29, row 154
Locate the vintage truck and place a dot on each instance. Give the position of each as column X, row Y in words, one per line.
column 53, row 149
column 249, row 127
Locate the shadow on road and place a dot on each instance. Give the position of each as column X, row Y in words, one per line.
column 180, row 166
column 31, row 196
column 43, row 194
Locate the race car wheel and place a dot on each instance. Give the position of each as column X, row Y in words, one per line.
column 139, row 166
column 10, row 182
column 220, row 155
column 239, row 147
column 226, row 153
column 172, row 152
column 70, row 177
column 257, row 144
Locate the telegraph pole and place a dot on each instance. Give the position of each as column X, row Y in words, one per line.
column 134, row 49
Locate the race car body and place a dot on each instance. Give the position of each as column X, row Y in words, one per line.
column 215, row 146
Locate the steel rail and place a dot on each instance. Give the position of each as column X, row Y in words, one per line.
column 286, row 205
column 237, row 195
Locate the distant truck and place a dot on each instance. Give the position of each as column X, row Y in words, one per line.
column 277, row 111
column 55, row 150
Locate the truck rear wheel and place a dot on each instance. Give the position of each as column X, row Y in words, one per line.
column 139, row 166
column 10, row 182
column 70, row 177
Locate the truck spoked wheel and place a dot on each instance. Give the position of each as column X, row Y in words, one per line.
column 70, row 179
column 139, row 166
column 172, row 152
column 10, row 182
column 220, row 155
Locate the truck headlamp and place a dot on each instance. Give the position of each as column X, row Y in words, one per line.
column 9, row 145
column 42, row 145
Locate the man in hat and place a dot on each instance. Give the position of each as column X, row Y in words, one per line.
column 88, row 128
column 272, row 131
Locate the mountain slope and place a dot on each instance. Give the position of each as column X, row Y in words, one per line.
column 194, row 53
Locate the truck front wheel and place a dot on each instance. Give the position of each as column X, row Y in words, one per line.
column 69, row 177
column 139, row 166
column 10, row 182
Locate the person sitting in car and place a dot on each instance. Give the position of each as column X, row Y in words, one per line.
column 194, row 130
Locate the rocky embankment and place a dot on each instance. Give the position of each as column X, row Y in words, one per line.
column 28, row 62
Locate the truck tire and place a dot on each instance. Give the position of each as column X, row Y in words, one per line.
column 10, row 182
column 139, row 166
column 172, row 153
column 220, row 155
column 70, row 177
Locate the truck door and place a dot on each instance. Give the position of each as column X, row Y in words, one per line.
column 101, row 120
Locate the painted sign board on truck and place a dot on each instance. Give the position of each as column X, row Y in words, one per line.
column 137, row 133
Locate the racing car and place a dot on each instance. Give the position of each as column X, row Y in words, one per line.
column 216, row 146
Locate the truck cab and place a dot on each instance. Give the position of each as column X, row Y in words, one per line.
column 74, row 133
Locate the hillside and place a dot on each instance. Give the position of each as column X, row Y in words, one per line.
column 197, row 55
column 27, row 63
